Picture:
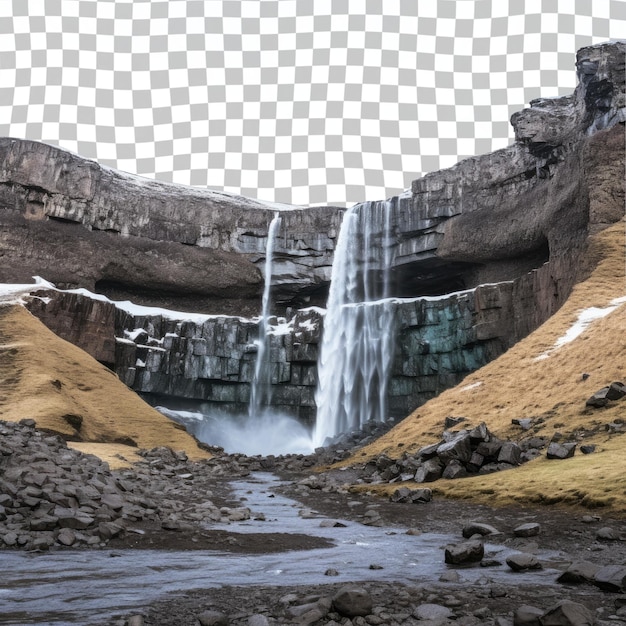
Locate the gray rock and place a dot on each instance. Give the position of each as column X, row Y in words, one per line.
column 458, row 448
column 404, row 494
column 352, row 601
column 10, row 539
column 527, row 615
column 258, row 620
column 479, row 528
column 510, row 453
column 527, row 530
column 66, row 537
column 606, row 533
column 465, row 552
column 561, row 450
column 579, row 572
column 429, row 471
column 598, row 399
column 611, row 578
column 567, row 613
column 454, row 469
column 432, row 612
column 213, row 618
column 480, row 433
column 616, row 391
column 522, row 561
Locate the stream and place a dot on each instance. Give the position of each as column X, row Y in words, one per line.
column 90, row 587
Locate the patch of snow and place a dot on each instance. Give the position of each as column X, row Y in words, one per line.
column 133, row 334
column 585, row 318
column 126, row 342
column 314, row 309
column 282, row 328
column 309, row 325
column 472, row 386
column 140, row 363
column 14, row 293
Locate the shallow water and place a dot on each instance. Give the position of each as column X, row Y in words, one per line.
column 91, row 587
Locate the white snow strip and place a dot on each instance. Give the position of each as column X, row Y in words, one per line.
column 472, row 386
column 16, row 293
column 585, row 319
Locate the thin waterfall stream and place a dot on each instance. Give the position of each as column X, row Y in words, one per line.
column 260, row 389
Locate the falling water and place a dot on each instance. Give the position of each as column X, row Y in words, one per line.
column 357, row 345
column 260, row 389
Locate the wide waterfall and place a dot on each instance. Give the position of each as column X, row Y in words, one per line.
column 357, row 344
column 260, row 389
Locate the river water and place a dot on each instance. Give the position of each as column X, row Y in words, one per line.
column 92, row 587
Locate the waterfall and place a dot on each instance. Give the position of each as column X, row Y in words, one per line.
column 260, row 389
column 357, row 344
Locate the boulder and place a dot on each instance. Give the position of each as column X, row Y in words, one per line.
column 510, row 453
column 404, row 494
column 527, row 615
column 480, row 433
column 212, row 618
column 454, row 469
column 611, row 578
column 479, row 528
column 567, row 613
column 616, row 391
column 527, row 530
column 351, row 601
column 457, row 449
column 579, row 572
column 429, row 471
column 433, row 612
column 560, row 450
column 465, row 552
column 606, row 533
column 522, row 561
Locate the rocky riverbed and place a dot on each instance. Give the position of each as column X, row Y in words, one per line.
column 497, row 567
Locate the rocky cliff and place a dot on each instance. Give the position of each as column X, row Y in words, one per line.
column 518, row 218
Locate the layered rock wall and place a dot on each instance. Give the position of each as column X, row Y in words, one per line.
column 518, row 217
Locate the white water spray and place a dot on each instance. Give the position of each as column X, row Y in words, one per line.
column 357, row 345
column 260, row 389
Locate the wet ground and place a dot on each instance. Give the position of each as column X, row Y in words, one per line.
column 292, row 544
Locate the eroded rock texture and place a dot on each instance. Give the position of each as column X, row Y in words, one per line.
column 514, row 221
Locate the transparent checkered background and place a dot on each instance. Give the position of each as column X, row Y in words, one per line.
column 297, row 101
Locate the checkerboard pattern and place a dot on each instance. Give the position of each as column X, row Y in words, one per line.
column 296, row 101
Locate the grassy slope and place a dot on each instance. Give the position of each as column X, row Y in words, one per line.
column 516, row 385
column 46, row 378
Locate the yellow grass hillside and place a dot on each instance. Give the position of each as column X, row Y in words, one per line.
column 64, row 390
column 550, row 390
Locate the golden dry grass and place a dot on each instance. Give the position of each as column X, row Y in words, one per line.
column 552, row 392
column 55, row 383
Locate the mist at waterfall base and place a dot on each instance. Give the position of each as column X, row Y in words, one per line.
column 263, row 430
column 266, row 433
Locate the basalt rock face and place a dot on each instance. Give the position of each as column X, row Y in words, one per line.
column 487, row 219
column 496, row 216
column 517, row 219
column 85, row 225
